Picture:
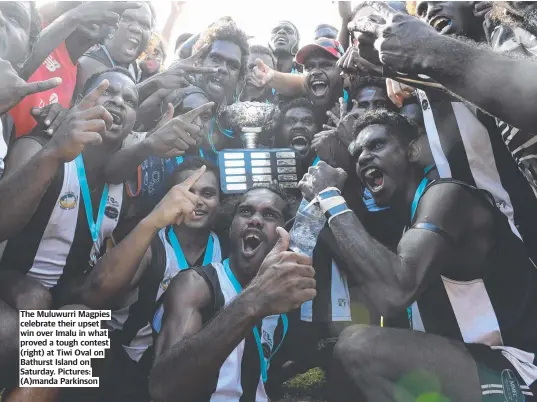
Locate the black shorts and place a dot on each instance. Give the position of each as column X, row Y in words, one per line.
column 500, row 380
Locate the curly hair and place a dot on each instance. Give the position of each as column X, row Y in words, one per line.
column 225, row 29
column 263, row 50
column 274, row 188
column 405, row 131
column 156, row 41
column 367, row 81
column 296, row 103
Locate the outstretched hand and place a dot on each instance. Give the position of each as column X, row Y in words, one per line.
column 261, row 74
column 13, row 88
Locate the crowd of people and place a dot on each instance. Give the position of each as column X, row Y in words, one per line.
column 411, row 127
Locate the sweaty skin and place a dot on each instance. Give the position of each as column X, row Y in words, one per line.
column 185, row 343
column 28, row 162
column 227, row 57
column 297, row 129
column 121, row 268
column 284, row 44
column 502, row 86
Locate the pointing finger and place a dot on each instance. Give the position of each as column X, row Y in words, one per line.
column 191, row 115
column 90, row 99
column 166, row 117
column 30, row 88
column 189, row 182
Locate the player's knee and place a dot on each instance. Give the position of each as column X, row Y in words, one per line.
column 357, row 346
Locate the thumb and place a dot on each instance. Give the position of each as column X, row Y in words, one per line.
column 283, row 242
column 166, row 117
column 261, row 66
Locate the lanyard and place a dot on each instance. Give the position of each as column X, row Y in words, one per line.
column 108, row 55
column 238, row 288
column 180, row 255
column 316, row 161
column 94, row 227
column 415, row 202
column 419, row 191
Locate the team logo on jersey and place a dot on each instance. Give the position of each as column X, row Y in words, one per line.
column 111, row 212
column 164, row 284
column 267, row 344
column 51, row 64
column 68, row 200
column 511, row 387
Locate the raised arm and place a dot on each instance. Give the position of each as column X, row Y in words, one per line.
column 117, row 271
column 284, row 83
column 30, row 168
column 345, row 11
column 504, row 87
column 391, row 281
column 63, row 26
column 186, row 355
column 171, row 138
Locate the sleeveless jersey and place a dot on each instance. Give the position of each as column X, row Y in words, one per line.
column 467, row 145
column 56, row 243
column 239, row 378
column 496, row 308
column 131, row 323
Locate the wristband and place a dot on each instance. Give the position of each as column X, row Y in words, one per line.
column 329, row 192
column 331, row 216
column 331, row 203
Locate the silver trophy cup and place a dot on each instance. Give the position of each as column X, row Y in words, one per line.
column 250, row 119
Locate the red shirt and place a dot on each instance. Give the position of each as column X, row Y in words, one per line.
column 57, row 64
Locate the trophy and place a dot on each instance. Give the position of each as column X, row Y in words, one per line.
column 251, row 119
column 242, row 169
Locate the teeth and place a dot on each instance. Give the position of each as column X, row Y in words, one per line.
column 440, row 23
column 317, row 83
column 369, row 171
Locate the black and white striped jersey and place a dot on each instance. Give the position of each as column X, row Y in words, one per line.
column 131, row 322
column 55, row 245
column 496, row 307
column 471, row 149
column 239, row 378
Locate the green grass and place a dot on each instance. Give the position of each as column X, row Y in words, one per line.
column 307, row 387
